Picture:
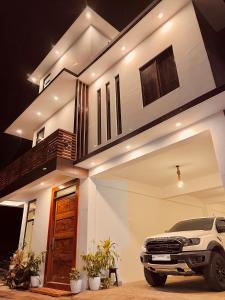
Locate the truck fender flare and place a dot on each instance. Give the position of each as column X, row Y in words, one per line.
column 215, row 245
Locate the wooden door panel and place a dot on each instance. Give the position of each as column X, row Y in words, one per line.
column 62, row 241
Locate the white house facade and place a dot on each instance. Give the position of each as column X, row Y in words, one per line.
column 116, row 113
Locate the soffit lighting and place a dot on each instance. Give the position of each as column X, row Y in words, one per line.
column 57, row 52
column 93, row 74
column 11, row 203
column 180, row 183
column 93, row 164
column 160, row 15
column 56, row 98
column 42, row 183
column 61, row 187
column 39, row 113
column 19, row 131
column 34, row 79
column 123, row 48
column 128, row 147
column 178, row 124
column 88, row 15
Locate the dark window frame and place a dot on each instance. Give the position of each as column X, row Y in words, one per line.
column 108, row 111
column 44, row 81
column 159, row 88
column 38, row 139
column 118, row 105
column 99, row 116
column 28, row 220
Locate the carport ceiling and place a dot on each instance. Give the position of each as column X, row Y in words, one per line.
column 195, row 156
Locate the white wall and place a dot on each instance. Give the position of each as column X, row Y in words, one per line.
column 63, row 119
column 128, row 215
column 82, row 52
column 195, row 76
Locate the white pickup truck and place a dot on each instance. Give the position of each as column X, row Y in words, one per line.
column 190, row 247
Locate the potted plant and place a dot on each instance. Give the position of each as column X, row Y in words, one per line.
column 92, row 265
column 33, row 264
column 75, row 281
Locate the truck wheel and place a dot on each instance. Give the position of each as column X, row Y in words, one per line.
column 155, row 279
column 215, row 272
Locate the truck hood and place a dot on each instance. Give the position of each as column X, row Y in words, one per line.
column 186, row 234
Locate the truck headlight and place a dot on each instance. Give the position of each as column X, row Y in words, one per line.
column 143, row 249
column 192, row 242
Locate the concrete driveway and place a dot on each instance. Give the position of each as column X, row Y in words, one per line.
column 177, row 288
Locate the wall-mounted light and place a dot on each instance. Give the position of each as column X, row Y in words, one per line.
column 180, row 183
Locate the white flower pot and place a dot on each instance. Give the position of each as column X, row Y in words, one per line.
column 75, row 286
column 94, row 283
column 35, row 281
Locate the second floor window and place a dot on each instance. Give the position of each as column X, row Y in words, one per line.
column 159, row 76
column 108, row 111
column 99, row 116
column 40, row 135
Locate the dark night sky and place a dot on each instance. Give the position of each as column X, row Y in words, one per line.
column 28, row 30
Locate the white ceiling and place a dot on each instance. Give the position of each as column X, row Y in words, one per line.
column 62, row 87
column 195, row 156
column 70, row 37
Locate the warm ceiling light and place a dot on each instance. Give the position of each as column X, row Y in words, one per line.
column 128, row 147
column 19, row 131
column 160, row 16
column 88, row 15
column 57, row 52
column 178, row 124
column 180, row 183
column 123, row 48
column 42, row 183
column 93, row 74
column 39, row 113
column 44, row 169
column 56, row 98
column 61, row 187
column 93, row 164
column 34, row 79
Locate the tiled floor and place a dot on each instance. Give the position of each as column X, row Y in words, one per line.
column 176, row 288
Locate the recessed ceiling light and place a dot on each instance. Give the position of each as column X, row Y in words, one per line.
column 56, row 98
column 42, row 183
column 39, row 113
column 123, row 48
column 19, row 131
column 93, row 74
column 34, row 79
column 160, row 16
column 88, row 15
column 93, row 163
column 57, row 52
column 61, row 187
column 128, row 147
column 178, row 124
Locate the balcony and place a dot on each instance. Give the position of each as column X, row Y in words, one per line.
column 38, row 161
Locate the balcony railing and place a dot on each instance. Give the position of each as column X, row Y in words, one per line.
column 60, row 144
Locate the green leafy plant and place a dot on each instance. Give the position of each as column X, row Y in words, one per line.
column 22, row 267
column 105, row 282
column 92, row 264
column 106, row 250
column 74, row 274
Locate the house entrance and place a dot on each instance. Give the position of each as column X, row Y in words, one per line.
column 62, row 239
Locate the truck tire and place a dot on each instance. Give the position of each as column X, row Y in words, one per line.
column 215, row 272
column 155, row 279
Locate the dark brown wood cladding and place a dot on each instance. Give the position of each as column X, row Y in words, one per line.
column 81, row 118
column 118, row 105
column 108, row 110
column 60, row 144
column 99, row 116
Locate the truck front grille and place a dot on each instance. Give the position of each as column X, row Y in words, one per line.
column 164, row 246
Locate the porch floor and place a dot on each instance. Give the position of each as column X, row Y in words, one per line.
column 176, row 288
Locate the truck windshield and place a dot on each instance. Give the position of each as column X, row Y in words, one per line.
column 194, row 224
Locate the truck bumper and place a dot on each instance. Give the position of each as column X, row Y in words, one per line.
column 185, row 263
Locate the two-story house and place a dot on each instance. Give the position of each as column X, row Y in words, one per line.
column 128, row 134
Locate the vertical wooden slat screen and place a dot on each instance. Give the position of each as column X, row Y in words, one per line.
column 81, row 118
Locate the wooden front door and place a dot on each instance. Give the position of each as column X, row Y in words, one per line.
column 61, row 253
